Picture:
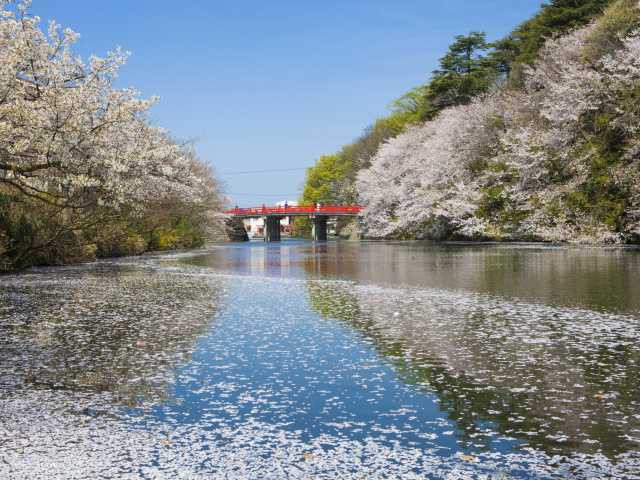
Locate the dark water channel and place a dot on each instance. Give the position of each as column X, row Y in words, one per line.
column 336, row 360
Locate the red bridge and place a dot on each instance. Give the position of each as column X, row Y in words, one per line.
column 296, row 211
column 318, row 213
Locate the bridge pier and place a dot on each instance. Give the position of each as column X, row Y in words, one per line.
column 272, row 229
column 319, row 229
column 318, row 214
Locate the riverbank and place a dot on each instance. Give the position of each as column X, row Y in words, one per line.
column 121, row 241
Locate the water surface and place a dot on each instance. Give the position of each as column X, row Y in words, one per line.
column 335, row 360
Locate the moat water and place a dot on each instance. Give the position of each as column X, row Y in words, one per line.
column 336, row 360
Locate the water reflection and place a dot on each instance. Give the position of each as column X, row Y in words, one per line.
column 594, row 278
column 334, row 360
column 555, row 378
column 603, row 279
column 540, row 341
column 255, row 259
column 102, row 329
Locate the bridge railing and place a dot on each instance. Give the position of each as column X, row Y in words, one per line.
column 298, row 209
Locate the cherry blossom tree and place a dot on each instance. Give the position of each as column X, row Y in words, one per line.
column 67, row 135
column 424, row 177
column 557, row 160
column 72, row 142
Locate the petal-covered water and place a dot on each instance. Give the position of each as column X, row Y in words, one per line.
column 337, row 361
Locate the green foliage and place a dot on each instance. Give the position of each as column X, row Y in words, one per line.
column 118, row 239
column 328, row 182
column 325, row 181
column 554, row 18
column 554, row 209
column 556, row 169
column 331, row 179
column 463, row 74
column 493, row 201
column 496, row 205
column 181, row 234
column 618, row 20
column 33, row 233
column 601, row 196
column 412, row 107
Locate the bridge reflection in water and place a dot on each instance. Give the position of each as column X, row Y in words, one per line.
column 319, row 215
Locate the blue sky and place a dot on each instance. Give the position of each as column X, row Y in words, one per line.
column 275, row 84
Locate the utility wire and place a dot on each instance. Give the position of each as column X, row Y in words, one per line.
column 263, row 194
column 273, row 170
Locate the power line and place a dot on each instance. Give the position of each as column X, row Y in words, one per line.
column 263, row 194
column 273, row 170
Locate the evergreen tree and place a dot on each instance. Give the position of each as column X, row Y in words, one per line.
column 463, row 72
column 557, row 17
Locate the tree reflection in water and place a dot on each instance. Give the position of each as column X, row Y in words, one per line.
column 559, row 379
column 105, row 329
column 279, row 388
column 598, row 279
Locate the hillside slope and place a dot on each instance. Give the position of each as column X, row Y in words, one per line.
column 555, row 160
column 484, row 149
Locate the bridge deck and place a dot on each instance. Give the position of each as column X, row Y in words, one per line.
column 297, row 211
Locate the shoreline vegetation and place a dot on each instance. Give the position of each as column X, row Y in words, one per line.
column 530, row 138
column 83, row 172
